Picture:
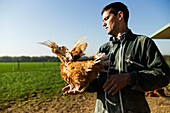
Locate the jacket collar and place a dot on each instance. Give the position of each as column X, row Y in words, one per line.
column 122, row 38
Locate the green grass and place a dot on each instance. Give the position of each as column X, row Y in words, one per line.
column 25, row 66
column 32, row 80
column 168, row 62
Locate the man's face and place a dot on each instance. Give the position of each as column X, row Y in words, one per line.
column 110, row 22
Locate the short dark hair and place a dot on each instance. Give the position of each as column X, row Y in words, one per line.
column 115, row 8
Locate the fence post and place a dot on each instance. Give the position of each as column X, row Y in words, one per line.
column 18, row 66
column 43, row 64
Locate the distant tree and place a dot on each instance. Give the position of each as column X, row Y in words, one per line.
column 5, row 59
column 24, row 59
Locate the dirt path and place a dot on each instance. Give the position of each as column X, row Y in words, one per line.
column 159, row 104
column 83, row 103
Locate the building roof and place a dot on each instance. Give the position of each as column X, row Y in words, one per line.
column 163, row 33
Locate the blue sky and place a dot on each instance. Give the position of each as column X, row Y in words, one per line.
column 23, row 23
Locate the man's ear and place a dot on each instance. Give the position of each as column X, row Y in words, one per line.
column 120, row 15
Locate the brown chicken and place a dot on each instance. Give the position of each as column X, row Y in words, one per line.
column 77, row 74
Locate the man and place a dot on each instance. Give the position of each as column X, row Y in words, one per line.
column 136, row 66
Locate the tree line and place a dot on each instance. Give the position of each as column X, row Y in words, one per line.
column 34, row 59
column 46, row 58
column 29, row 59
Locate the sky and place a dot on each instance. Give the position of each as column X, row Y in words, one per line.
column 23, row 23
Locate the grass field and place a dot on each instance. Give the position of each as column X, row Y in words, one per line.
column 168, row 62
column 26, row 66
column 32, row 79
column 35, row 80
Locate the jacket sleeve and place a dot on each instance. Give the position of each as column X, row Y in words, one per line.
column 93, row 86
column 157, row 72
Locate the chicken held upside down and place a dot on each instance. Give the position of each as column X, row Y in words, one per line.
column 77, row 74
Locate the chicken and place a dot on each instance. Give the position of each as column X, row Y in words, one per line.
column 77, row 74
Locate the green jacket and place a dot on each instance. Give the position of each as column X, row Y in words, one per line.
column 148, row 71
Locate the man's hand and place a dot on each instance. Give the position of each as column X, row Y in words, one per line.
column 116, row 82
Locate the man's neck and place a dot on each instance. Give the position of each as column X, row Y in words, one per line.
column 121, row 33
